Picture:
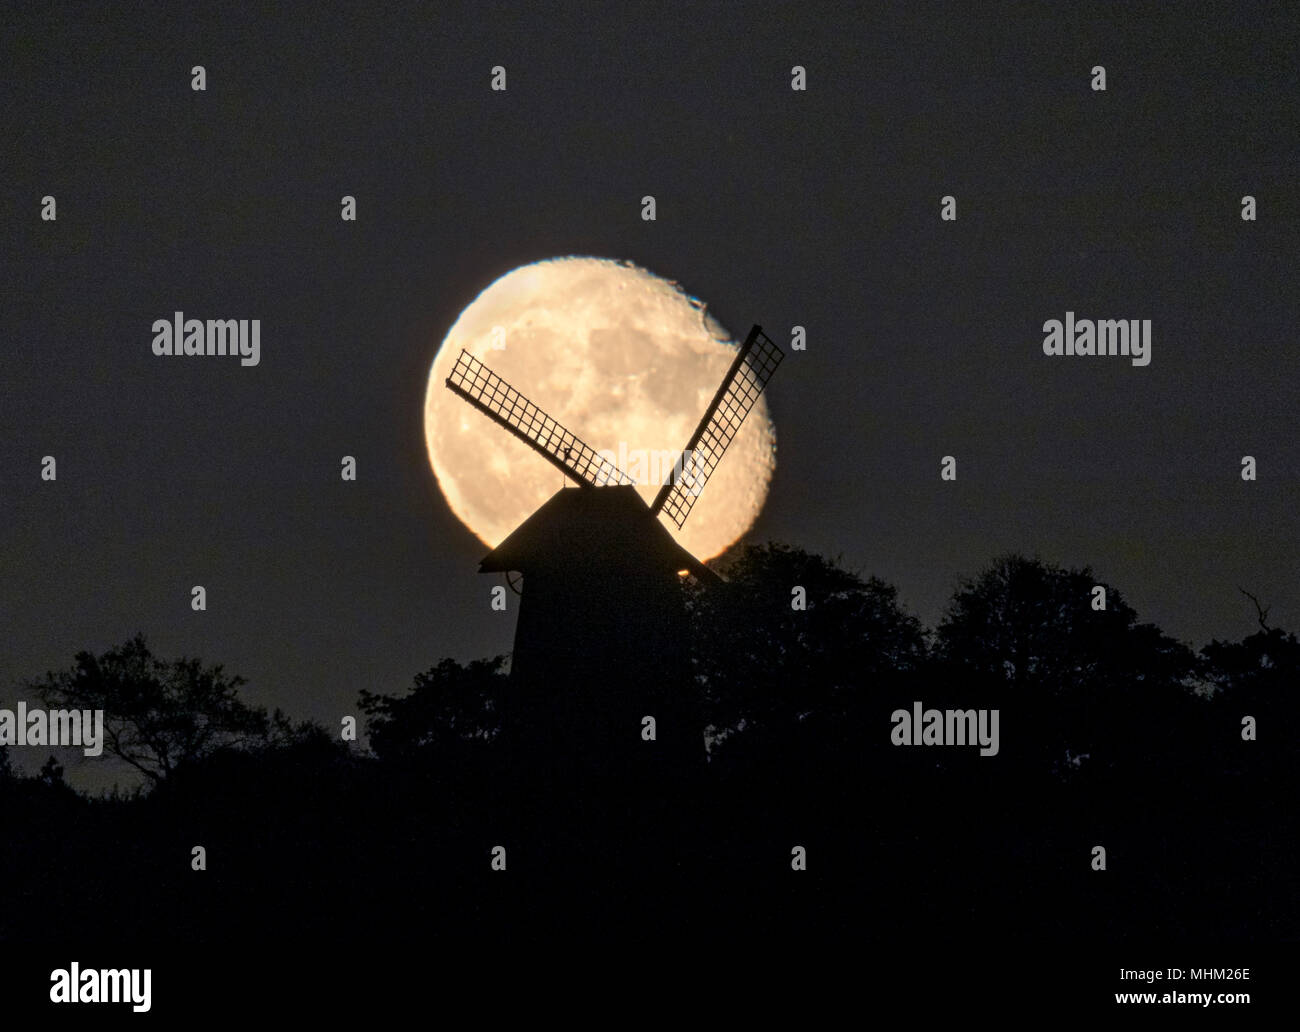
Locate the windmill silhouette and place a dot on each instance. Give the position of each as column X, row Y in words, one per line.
column 601, row 641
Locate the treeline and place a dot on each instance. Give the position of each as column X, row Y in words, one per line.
column 1179, row 764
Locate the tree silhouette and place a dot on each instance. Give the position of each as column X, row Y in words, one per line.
column 158, row 716
column 1257, row 677
column 52, row 775
column 449, row 706
column 1261, row 669
column 764, row 666
column 1088, row 683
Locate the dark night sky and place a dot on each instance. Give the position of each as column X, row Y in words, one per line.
column 782, row 208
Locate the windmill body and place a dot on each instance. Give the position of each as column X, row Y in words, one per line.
column 601, row 641
column 601, row 638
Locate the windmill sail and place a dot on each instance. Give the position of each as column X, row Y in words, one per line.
column 495, row 398
column 740, row 389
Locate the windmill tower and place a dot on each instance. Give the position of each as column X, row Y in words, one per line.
column 601, row 641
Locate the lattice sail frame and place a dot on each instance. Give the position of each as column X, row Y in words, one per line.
column 749, row 373
column 495, row 398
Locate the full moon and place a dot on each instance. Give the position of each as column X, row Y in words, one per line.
column 624, row 359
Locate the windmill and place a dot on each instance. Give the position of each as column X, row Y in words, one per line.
column 601, row 638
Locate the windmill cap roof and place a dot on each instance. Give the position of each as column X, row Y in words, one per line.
column 611, row 525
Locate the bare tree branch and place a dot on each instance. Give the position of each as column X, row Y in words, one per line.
column 1261, row 611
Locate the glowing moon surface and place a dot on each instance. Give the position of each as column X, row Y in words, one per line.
column 626, row 361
